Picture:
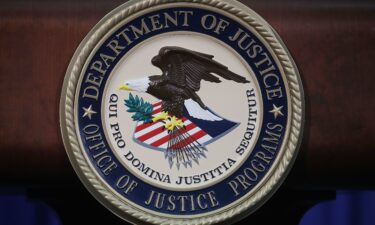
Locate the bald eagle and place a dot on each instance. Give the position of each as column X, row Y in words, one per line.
column 182, row 73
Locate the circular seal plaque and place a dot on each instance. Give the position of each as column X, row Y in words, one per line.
column 182, row 112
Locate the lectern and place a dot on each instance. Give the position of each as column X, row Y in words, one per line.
column 331, row 43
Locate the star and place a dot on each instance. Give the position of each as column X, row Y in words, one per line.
column 276, row 111
column 88, row 112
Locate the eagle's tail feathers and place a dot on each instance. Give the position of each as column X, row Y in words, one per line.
column 229, row 75
column 211, row 78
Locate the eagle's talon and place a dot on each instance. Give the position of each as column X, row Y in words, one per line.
column 174, row 123
column 162, row 116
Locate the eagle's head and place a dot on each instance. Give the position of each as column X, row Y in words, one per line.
column 140, row 85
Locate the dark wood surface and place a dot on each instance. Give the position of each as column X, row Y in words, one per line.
column 332, row 44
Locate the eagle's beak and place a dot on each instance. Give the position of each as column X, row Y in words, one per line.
column 125, row 87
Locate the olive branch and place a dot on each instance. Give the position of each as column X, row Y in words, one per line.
column 143, row 110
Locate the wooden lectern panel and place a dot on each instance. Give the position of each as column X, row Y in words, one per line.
column 331, row 42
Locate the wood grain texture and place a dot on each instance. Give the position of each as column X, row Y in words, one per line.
column 332, row 44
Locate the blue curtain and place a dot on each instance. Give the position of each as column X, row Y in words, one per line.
column 349, row 208
column 17, row 210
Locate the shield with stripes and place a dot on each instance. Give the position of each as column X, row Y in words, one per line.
column 196, row 131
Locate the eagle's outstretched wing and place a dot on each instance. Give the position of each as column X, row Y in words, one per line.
column 186, row 68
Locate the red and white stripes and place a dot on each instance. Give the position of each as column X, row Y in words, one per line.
column 155, row 135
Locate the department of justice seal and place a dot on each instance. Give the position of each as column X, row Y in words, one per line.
column 182, row 112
